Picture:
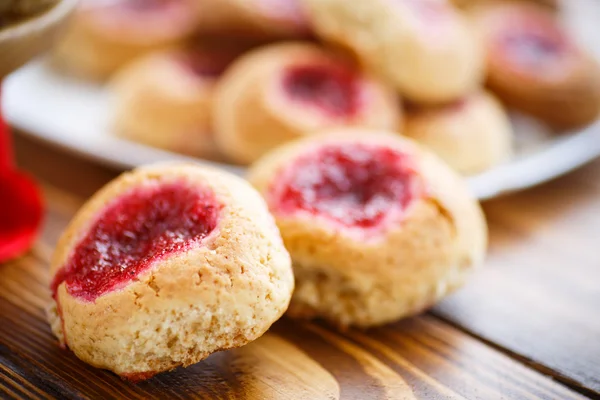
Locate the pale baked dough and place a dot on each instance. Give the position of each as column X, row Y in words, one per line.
column 351, row 280
column 160, row 101
column 471, row 135
column 220, row 295
column 101, row 38
column 429, row 61
column 252, row 114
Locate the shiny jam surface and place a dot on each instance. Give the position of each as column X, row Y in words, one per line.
column 329, row 88
column 138, row 228
column 353, row 184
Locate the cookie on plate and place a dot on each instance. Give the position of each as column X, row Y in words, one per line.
column 284, row 91
column 165, row 99
column 534, row 66
column 472, row 134
column 164, row 266
column 378, row 228
column 423, row 47
column 260, row 19
column 103, row 36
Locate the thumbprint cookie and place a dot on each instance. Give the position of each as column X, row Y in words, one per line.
column 284, row 91
column 378, row 228
column 425, row 48
column 164, row 266
column 534, row 66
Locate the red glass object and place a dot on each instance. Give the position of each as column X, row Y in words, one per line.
column 21, row 207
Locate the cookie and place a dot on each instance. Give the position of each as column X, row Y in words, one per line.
column 259, row 19
column 535, row 67
column 164, row 266
column 471, row 135
column 425, row 48
column 103, row 36
column 165, row 99
column 284, row 91
column 378, row 228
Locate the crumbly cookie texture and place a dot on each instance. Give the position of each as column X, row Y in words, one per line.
column 221, row 294
column 471, row 135
column 426, row 49
column 252, row 113
column 364, row 281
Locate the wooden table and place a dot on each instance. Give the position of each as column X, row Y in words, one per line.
column 527, row 325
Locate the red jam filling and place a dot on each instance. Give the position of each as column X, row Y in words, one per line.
column 330, row 88
column 353, row 184
column 139, row 228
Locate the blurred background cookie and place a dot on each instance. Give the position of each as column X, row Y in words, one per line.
column 284, row 91
column 472, row 134
column 534, row 66
column 377, row 228
column 424, row 48
column 104, row 35
column 165, row 99
column 254, row 18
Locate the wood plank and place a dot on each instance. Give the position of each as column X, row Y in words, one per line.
column 539, row 295
column 420, row 358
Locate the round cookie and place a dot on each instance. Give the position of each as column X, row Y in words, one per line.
column 164, row 100
column 105, row 35
column 164, row 266
column 425, row 48
column 284, row 91
column 378, row 229
column 472, row 134
column 534, row 66
column 254, row 18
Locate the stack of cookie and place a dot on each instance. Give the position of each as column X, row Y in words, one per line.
column 232, row 79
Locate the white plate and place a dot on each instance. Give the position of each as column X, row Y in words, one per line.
column 76, row 116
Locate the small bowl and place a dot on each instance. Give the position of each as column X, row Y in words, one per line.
column 24, row 40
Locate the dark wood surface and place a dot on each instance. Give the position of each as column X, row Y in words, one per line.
column 527, row 326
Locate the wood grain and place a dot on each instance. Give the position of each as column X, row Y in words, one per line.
column 539, row 295
column 419, row 358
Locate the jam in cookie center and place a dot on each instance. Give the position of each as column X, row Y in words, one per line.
column 137, row 229
column 355, row 185
column 332, row 89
